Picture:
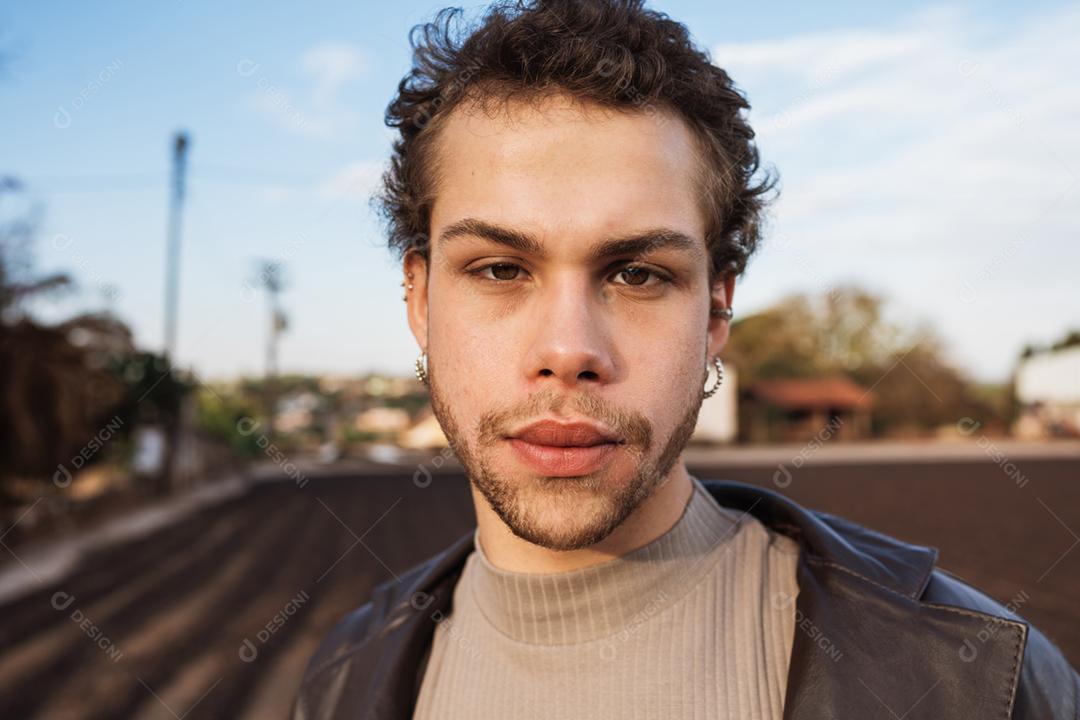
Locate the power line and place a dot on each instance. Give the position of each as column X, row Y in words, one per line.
column 123, row 182
column 242, row 174
column 109, row 182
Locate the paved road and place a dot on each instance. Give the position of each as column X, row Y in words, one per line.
column 182, row 623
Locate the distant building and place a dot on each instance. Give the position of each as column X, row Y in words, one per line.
column 1047, row 387
column 382, row 420
column 295, row 411
column 800, row 409
column 424, row 434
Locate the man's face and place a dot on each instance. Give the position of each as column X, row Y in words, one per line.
column 547, row 327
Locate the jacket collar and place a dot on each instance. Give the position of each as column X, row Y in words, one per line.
column 864, row 646
column 898, row 566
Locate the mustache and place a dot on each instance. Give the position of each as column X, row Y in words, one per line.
column 633, row 426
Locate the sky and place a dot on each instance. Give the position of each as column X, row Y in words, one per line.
column 927, row 152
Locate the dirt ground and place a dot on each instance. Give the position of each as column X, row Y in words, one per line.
column 216, row 615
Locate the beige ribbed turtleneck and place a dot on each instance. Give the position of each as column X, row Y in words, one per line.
column 698, row 623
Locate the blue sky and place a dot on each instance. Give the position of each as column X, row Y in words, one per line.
column 927, row 152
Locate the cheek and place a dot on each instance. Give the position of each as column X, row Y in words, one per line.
column 472, row 364
column 664, row 375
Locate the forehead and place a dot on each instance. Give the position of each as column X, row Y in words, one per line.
column 566, row 171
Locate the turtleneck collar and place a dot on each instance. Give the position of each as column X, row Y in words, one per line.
column 598, row 601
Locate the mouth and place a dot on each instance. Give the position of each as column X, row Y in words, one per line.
column 564, row 449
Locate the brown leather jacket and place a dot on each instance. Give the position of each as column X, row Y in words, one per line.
column 880, row 633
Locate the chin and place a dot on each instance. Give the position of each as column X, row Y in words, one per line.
column 564, row 525
column 560, row 513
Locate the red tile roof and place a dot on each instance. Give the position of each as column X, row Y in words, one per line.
column 813, row 393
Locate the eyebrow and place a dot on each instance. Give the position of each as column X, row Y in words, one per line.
column 635, row 243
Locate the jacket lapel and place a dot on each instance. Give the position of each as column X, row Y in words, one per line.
column 863, row 651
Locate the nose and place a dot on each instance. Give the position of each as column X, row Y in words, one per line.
column 571, row 336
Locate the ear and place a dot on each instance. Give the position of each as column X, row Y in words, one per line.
column 416, row 299
column 720, row 296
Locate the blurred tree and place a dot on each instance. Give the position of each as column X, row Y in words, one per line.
column 229, row 415
column 809, row 336
column 916, row 391
column 153, row 390
column 62, row 385
column 845, row 332
column 1071, row 338
column 56, row 390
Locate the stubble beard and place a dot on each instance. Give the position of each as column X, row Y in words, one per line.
column 565, row 513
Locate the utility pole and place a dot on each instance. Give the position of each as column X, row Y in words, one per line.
column 271, row 280
column 172, row 433
column 172, row 254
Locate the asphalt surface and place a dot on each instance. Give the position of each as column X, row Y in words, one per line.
column 217, row 614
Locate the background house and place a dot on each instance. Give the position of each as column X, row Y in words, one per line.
column 797, row 409
column 1047, row 390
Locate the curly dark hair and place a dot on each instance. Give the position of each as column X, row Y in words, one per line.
column 614, row 53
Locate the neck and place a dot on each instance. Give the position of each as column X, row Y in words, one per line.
column 656, row 515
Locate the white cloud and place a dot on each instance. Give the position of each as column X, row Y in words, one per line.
column 356, row 181
column 331, row 66
column 813, row 57
column 317, row 108
column 932, row 163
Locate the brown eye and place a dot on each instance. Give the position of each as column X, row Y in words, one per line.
column 634, row 275
column 504, row 271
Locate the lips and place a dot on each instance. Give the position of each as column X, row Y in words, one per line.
column 564, row 449
column 577, row 434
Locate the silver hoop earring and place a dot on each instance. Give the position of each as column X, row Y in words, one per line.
column 719, row 377
column 421, row 368
column 725, row 313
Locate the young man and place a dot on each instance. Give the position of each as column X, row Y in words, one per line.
column 573, row 194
